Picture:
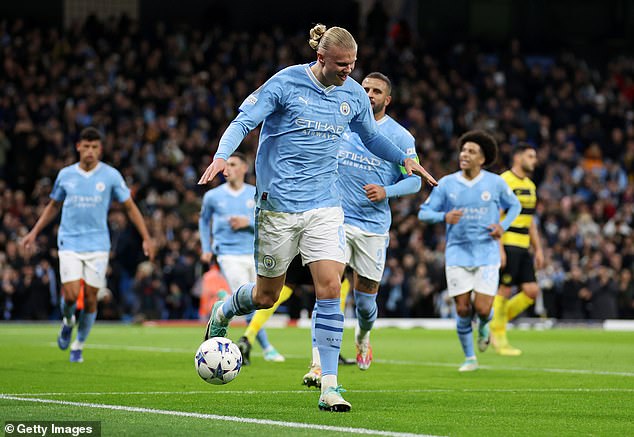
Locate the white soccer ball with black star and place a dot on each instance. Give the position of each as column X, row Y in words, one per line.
column 218, row 360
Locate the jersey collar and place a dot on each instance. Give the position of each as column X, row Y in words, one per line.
column 232, row 192
column 472, row 182
column 383, row 120
column 85, row 173
column 314, row 80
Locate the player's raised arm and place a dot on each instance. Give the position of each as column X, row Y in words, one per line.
column 380, row 145
column 255, row 108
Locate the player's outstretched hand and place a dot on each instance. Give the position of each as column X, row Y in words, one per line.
column 375, row 193
column 216, row 166
column 238, row 222
column 149, row 249
column 414, row 167
column 453, row 216
column 496, row 230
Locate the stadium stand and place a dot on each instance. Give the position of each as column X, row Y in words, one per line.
column 163, row 98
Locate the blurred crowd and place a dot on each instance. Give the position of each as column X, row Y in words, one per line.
column 164, row 97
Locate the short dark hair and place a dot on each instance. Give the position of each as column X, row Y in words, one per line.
column 241, row 156
column 487, row 144
column 383, row 77
column 90, row 134
column 522, row 147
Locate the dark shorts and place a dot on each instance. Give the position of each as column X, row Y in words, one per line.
column 297, row 274
column 519, row 267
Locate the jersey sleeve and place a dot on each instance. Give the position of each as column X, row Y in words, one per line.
column 120, row 190
column 407, row 143
column 58, row 193
column 407, row 184
column 365, row 126
column 255, row 108
column 434, row 208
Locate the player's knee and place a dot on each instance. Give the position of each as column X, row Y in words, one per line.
column 366, row 285
column 329, row 289
column 531, row 290
column 90, row 300
column 483, row 311
column 463, row 310
column 90, row 306
column 505, row 291
column 70, row 297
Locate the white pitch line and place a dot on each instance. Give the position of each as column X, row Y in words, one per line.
column 314, row 392
column 396, row 362
column 283, row 424
column 523, row 369
column 135, row 348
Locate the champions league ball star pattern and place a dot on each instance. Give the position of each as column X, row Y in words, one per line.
column 218, row 361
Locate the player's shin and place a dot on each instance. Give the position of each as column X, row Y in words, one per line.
column 68, row 312
column 262, row 316
column 86, row 321
column 485, row 319
column 465, row 335
column 328, row 333
column 240, row 303
column 517, row 305
column 366, row 313
column 498, row 323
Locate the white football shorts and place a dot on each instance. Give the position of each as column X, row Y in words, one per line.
column 365, row 252
column 482, row 279
column 316, row 234
column 237, row 269
column 89, row 266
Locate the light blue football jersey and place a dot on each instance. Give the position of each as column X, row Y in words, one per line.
column 86, row 198
column 303, row 122
column 468, row 243
column 359, row 167
column 219, row 205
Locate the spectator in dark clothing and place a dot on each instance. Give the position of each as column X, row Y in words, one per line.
column 604, row 290
column 8, row 287
column 626, row 295
column 575, row 294
column 164, row 96
column 33, row 295
column 150, row 293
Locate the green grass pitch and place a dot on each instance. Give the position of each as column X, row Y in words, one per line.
column 141, row 381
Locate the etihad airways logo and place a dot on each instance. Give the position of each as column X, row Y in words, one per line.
column 473, row 213
column 78, row 201
column 358, row 160
column 319, row 128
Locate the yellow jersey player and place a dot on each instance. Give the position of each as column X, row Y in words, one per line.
column 519, row 269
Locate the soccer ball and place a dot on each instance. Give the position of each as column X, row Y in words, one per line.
column 218, row 360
